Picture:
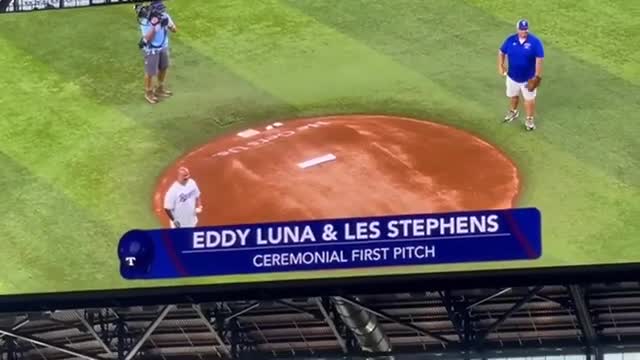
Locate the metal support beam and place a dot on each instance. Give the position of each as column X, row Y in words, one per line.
column 599, row 355
column 122, row 338
column 455, row 352
column 104, row 321
column 152, row 327
column 460, row 318
column 213, row 331
column 115, row 313
column 454, row 316
column 482, row 301
column 386, row 316
column 562, row 303
column 39, row 342
column 363, row 325
column 12, row 349
column 238, row 340
column 301, row 310
column 17, row 326
column 591, row 353
column 508, row 314
column 469, row 332
column 332, row 325
column 235, row 340
column 243, row 311
column 583, row 315
column 93, row 332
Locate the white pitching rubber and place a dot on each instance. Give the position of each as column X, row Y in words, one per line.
column 316, row 161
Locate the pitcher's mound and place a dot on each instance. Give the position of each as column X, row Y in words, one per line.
column 344, row 166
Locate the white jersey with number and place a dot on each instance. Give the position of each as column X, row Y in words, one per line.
column 181, row 200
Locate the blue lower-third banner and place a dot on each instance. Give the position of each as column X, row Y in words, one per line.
column 328, row 244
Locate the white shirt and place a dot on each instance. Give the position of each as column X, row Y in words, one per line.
column 181, row 200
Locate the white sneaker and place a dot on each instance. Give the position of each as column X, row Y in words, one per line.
column 511, row 115
column 530, row 125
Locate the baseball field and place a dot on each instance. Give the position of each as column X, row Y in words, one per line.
column 404, row 94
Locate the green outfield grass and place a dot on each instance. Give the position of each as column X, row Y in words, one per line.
column 80, row 150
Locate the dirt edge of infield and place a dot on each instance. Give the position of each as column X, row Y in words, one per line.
column 381, row 165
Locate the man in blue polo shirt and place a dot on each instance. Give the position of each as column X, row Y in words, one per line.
column 525, row 53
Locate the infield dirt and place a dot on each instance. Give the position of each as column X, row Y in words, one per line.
column 383, row 166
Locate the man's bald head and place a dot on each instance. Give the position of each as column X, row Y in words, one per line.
column 183, row 175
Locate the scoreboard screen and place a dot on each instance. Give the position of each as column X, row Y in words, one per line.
column 216, row 143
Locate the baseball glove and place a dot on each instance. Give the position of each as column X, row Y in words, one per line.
column 533, row 84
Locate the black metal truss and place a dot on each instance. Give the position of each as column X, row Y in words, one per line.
column 346, row 335
column 458, row 312
column 124, row 339
column 384, row 315
column 224, row 324
column 494, row 326
column 553, row 348
column 480, row 323
column 580, row 305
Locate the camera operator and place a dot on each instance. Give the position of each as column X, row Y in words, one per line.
column 155, row 24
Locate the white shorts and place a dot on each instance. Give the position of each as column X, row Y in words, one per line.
column 515, row 88
column 186, row 224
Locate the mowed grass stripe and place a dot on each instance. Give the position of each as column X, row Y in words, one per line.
column 48, row 242
column 583, row 207
column 578, row 103
column 108, row 70
column 295, row 58
column 304, row 62
column 88, row 151
column 592, row 77
column 88, row 155
column 602, row 33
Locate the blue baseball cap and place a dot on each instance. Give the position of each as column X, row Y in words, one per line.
column 523, row 24
column 158, row 5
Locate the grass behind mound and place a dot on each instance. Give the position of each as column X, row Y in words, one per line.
column 81, row 150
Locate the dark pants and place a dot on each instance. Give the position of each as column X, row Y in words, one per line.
column 155, row 60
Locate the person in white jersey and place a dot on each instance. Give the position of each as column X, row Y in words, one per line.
column 182, row 201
